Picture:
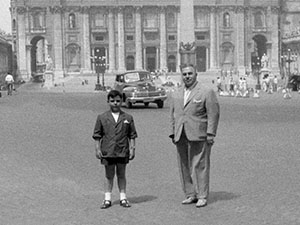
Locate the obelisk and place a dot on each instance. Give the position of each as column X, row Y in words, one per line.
column 187, row 33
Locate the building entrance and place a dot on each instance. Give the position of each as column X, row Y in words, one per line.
column 201, row 58
column 260, row 48
column 151, row 59
column 38, row 55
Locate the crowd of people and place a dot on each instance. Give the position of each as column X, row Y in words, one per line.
column 241, row 86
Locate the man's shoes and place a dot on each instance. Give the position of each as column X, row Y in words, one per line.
column 125, row 203
column 106, row 204
column 201, row 202
column 189, row 200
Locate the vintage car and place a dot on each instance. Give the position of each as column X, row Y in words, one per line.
column 294, row 82
column 138, row 87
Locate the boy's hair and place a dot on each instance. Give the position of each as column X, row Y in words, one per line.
column 113, row 94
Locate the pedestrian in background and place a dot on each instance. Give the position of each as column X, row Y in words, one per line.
column 114, row 136
column 194, row 117
column 9, row 80
column 275, row 83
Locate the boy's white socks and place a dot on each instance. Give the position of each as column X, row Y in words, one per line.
column 107, row 196
column 122, row 196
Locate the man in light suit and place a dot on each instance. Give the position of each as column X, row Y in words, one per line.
column 194, row 117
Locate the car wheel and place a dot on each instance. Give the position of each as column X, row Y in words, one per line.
column 146, row 104
column 128, row 104
column 160, row 104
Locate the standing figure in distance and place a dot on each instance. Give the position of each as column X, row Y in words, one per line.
column 9, row 80
column 194, row 117
column 114, row 136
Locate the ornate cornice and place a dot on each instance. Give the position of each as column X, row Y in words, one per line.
column 121, row 9
column 138, row 9
column 85, row 9
column 213, row 9
column 275, row 9
column 255, row 8
column 240, row 9
column 162, row 9
column 21, row 10
column 56, row 9
column 72, row 9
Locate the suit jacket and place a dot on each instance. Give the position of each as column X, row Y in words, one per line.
column 198, row 117
column 114, row 136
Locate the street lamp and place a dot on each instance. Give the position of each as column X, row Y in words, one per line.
column 100, row 67
column 256, row 64
column 289, row 57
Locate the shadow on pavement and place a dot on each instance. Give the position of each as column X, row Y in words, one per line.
column 140, row 199
column 221, row 196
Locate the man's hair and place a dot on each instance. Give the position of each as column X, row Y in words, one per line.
column 182, row 66
column 113, row 94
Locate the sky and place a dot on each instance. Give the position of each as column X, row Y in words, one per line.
column 5, row 22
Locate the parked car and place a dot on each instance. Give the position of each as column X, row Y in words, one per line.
column 294, row 82
column 138, row 87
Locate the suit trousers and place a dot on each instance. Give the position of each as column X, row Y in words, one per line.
column 194, row 166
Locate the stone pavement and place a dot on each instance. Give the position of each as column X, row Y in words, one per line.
column 49, row 174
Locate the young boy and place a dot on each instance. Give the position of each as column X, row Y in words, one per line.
column 115, row 134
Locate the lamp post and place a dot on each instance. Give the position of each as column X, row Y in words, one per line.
column 100, row 67
column 256, row 64
column 288, row 58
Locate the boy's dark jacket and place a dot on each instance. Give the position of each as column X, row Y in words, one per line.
column 114, row 136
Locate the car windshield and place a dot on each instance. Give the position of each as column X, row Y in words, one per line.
column 132, row 77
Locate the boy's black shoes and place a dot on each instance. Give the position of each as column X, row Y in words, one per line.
column 124, row 203
column 106, row 204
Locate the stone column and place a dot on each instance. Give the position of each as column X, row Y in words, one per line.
column 218, row 43
column 121, row 48
column 21, row 44
column 138, row 39
column 28, row 60
column 111, row 37
column 57, row 42
column 274, row 61
column 145, row 58
column 240, row 40
column 207, row 57
column 163, row 39
column 86, row 50
column 178, row 40
column 157, row 58
column 106, row 58
column 212, row 59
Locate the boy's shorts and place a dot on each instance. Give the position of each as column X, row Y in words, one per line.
column 112, row 161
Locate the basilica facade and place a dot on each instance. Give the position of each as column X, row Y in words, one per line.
column 229, row 35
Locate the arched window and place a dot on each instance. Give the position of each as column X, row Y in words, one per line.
column 172, row 63
column 37, row 20
column 73, row 54
column 227, row 53
column 130, row 62
column 150, row 20
column 171, row 20
column 226, row 20
column 72, row 21
column 201, row 19
column 99, row 20
column 14, row 24
column 258, row 19
column 129, row 20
